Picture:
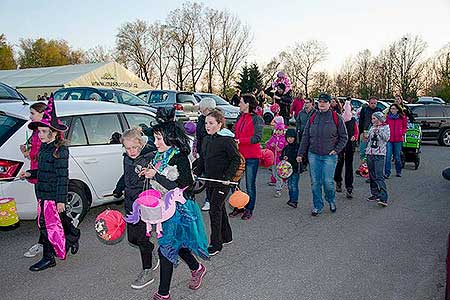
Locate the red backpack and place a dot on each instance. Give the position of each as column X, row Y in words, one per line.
column 335, row 118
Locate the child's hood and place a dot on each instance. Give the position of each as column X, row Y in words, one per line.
column 226, row 132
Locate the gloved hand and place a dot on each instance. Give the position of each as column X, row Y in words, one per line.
column 117, row 194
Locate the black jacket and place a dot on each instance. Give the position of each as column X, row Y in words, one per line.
column 284, row 103
column 219, row 160
column 200, row 132
column 291, row 152
column 130, row 182
column 365, row 118
column 52, row 174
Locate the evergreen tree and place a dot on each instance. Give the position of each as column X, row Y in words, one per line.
column 244, row 80
column 255, row 78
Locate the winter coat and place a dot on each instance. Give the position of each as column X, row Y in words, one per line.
column 130, row 182
column 220, row 157
column 35, row 143
column 52, row 174
column 397, row 126
column 322, row 135
column 284, row 102
column 352, row 131
column 200, row 132
column 301, row 121
column 290, row 151
column 378, row 138
column 276, row 141
column 297, row 106
column 248, row 131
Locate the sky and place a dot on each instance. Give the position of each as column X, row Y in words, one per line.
column 346, row 26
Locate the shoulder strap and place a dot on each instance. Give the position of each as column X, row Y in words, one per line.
column 311, row 119
column 334, row 114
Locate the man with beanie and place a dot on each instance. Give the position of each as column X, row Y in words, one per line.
column 377, row 138
column 365, row 121
column 289, row 154
column 283, row 99
column 324, row 137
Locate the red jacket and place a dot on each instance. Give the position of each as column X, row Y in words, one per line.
column 297, row 106
column 248, row 131
column 397, row 127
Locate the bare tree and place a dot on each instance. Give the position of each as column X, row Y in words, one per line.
column 99, row 54
column 302, row 58
column 134, row 44
column 408, row 65
column 161, row 40
column 344, row 81
column 270, row 70
column 385, row 69
column 321, row 83
column 364, row 74
column 234, row 43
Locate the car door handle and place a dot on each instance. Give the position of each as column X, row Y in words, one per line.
column 90, row 161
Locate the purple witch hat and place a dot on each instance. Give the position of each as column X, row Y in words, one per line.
column 49, row 119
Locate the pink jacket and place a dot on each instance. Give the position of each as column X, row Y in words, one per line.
column 397, row 127
column 276, row 141
column 35, row 144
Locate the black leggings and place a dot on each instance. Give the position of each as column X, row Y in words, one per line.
column 345, row 157
column 220, row 227
column 166, row 269
column 137, row 236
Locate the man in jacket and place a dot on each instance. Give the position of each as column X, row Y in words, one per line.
column 324, row 137
column 365, row 122
column 283, row 100
column 303, row 117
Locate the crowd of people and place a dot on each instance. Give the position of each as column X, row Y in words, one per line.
column 323, row 141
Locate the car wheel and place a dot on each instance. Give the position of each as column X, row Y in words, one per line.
column 77, row 203
column 444, row 139
column 267, row 118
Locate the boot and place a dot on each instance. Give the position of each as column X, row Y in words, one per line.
column 44, row 263
column 338, row 186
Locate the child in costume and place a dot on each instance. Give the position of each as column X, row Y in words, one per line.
column 183, row 235
column 219, row 160
column 378, row 137
column 30, row 150
column 57, row 232
column 289, row 154
column 284, row 79
column 137, row 156
column 276, row 144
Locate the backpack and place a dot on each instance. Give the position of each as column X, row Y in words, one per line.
column 240, row 170
column 335, row 118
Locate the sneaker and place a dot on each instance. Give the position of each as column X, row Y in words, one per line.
column 236, row 212
column 339, row 187
column 34, row 250
column 270, row 183
column 292, row 204
column 206, row 206
column 227, row 243
column 333, row 207
column 157, row 296
column 197, row 277
column 387, row 176
column 367, row 180
column 349, row 193
column 247, row 215
column 315, row 212
column 398, row 175
column 372, row 199
column 382, row 203
column 277, row 194
column 143, row 279
column 213, row 250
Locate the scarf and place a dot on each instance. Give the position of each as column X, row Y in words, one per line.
column 161, row 159
column 393, row 117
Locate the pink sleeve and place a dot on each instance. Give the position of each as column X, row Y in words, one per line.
column 356, row 134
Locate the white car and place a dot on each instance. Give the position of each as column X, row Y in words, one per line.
column 95, row 161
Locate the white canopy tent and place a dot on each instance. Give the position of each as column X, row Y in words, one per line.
column 37, row 81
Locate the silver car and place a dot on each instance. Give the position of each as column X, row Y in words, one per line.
column 231, row 112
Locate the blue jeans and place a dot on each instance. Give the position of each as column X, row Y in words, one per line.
column 251, row 168
column 395, row 149
column 378, row 188
column 321, row 171
column 293, row 187
column 362, row 149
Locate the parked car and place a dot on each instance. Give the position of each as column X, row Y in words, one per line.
column 231, row 112
column 95, row 161
column 434, row 120
column 9, row 93
column 185, row 103
column 101, row 94
column 430, row 100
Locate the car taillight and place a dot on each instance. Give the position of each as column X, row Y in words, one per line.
column 9, row 169
column 178, row 106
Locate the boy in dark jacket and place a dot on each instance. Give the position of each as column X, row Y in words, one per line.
column 289, row 154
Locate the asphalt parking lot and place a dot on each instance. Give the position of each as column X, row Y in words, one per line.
column 361, row 252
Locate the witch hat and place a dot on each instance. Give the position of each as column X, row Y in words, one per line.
column 49, row 119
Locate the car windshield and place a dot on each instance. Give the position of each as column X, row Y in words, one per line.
column 8, row 93
column 8, row 126
column 121, row 97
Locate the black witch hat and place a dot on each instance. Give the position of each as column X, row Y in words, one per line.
column 49, row 119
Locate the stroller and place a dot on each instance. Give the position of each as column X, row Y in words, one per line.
column 411, row 145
